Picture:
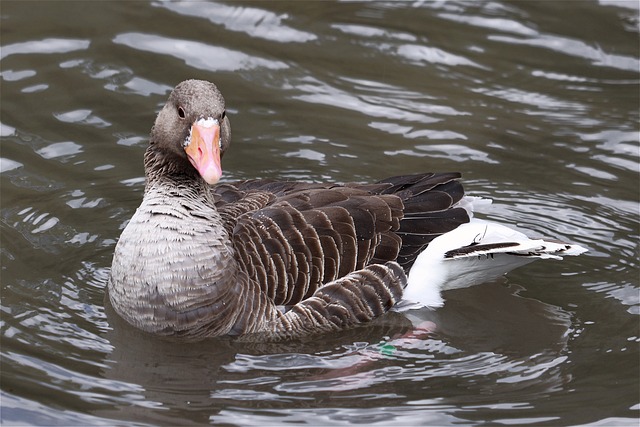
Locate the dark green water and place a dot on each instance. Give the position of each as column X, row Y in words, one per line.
column 536, row 102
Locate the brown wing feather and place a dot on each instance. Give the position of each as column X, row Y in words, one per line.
column 291, row 238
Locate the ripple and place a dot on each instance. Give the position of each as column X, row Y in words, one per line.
column 6, row 130
column 8, row 164
column 35, row 88
column 433, row 55
column 255, row 22
column 130, row 140
column 83, row 116
column 593, row 172
column 308, row 154
column 31, row 217
column 197, row 54
column 146, row 87
column 318, row 92
column 499, row 24
column 339, row 416
column 629, row 165
column 79, row 202
column 62, row 150
column 13, row 76
column 454, row 152
column 575, row 48
column 627, row 293
column 277, row 362
column 253, row 395
column 539, row 100
column 369, row 32
column 49, row 45
column 619, row 142
column 560, row 76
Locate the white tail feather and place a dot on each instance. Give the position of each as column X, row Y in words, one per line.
column 474, row 253
column 473, row 204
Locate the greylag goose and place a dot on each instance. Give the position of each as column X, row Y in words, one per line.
column 282, row 260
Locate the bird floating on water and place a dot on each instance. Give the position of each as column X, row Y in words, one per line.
column 281, row 259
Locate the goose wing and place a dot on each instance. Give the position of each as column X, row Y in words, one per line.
column 292, row 238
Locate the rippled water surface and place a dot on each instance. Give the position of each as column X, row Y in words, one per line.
column 535, row 102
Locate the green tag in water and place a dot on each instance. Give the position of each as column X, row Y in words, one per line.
column 387, row 349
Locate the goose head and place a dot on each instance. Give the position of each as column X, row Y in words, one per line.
column 192, row 129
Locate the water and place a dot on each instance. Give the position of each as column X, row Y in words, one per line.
column 535, row 102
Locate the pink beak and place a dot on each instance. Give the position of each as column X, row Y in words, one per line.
column 203, row 151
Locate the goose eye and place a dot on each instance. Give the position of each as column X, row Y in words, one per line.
column 181, row 113
column 223, row 115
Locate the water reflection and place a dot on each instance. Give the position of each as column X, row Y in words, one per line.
column 461, row 344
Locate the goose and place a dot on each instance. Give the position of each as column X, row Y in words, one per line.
column 285, row 260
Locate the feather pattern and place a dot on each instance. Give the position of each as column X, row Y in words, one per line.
column 264, row 259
